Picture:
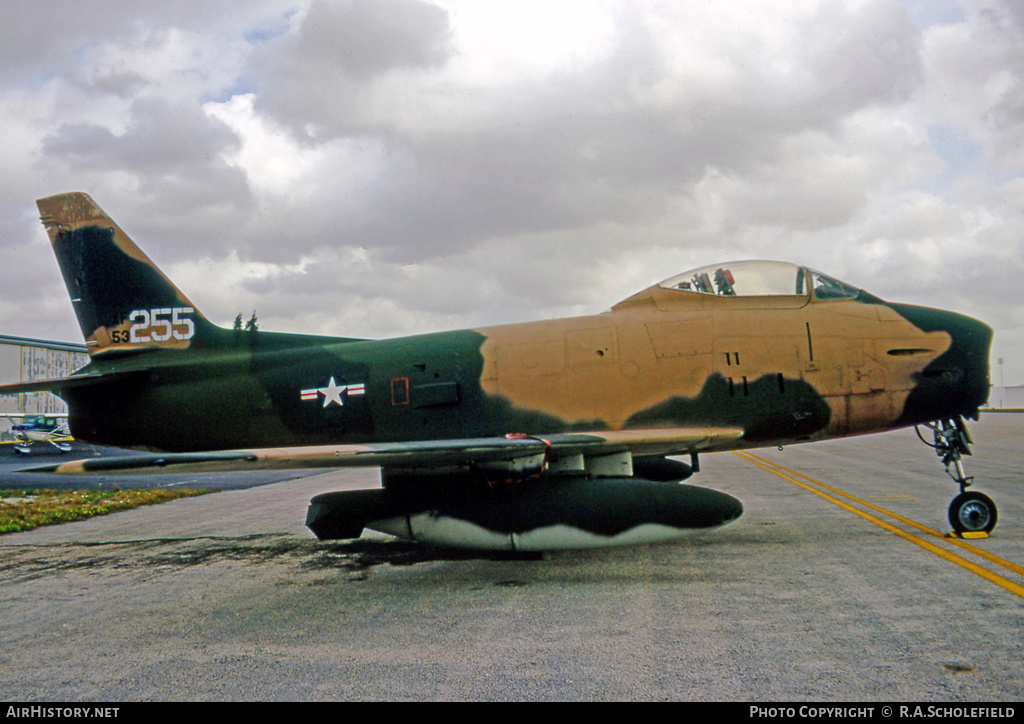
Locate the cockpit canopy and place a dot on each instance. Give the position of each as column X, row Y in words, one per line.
column 760, row 279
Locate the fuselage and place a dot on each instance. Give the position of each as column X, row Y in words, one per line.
column 785, row 368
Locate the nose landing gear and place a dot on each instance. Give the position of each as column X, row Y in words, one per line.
column 971, row 512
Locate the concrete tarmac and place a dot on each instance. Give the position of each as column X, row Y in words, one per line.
column 229, row 597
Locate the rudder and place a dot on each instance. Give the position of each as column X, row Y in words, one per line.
column 122, row 300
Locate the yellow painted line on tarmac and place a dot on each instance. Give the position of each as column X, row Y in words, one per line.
column 906, row 521
column 792, row 475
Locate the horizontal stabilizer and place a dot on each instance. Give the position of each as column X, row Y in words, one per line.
column 57, row 384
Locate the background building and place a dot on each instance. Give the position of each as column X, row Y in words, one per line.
column 23, row 359
column 1006, row 398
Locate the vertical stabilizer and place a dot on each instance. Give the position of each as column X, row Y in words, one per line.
column 122, row 300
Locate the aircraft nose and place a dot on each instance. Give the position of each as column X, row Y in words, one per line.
column 968, row 358
column 956, row 382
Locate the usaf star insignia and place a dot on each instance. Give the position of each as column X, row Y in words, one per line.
column 333, row 392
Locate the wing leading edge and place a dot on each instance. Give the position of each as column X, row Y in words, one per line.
column 585, row 494
column 514, row 454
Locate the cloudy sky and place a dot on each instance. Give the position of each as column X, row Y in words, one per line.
column 384, row 167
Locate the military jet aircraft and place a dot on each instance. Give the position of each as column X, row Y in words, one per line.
column 536, row 436
column 39, row 427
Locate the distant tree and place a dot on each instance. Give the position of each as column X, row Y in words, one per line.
column 238, row 323
column 251, row 325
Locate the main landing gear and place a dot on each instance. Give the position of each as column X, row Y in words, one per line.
column 971, row 512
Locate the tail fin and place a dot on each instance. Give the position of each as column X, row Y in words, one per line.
column 122, row 300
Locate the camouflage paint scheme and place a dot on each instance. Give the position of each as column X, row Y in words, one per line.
column 672, row 370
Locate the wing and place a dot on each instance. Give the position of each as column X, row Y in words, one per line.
column 513, row 454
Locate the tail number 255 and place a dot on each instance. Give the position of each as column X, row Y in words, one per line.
column 158, row 325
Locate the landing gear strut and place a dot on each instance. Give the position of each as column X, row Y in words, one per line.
column 970, row 512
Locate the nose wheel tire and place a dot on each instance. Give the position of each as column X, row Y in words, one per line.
column 972, row 512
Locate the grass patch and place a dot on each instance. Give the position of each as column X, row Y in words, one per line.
column 27, row 509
